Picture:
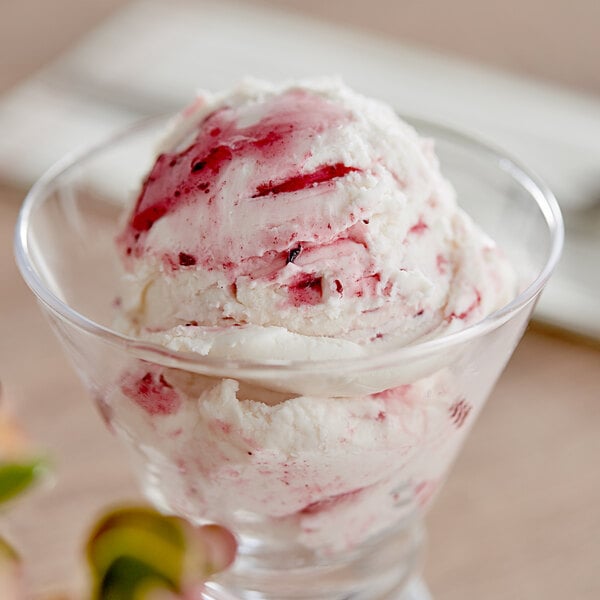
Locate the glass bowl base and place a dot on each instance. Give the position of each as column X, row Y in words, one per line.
column 385, row 568
column 414, row 590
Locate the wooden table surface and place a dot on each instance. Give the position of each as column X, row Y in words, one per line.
column 520, row 515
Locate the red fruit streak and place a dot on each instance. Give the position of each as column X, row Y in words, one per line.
column 306, row 289
column 177, row 179
column 459, row 412
column 441, row 262
column 301, row 182
column 153, row 393
column 463, row 315
column 144, row 220
column 419, row 227
column 331, row 502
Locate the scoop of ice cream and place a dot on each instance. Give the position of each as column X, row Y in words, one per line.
column 303, row 222
column 305, row 214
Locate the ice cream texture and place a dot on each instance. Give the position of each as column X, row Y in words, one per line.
column 302, row 222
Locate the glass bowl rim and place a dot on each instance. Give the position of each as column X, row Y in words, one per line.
column 388, row 354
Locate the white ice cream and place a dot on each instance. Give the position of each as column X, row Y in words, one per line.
column 299, row 222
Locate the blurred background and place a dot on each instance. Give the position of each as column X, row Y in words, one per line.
column 523, row 74
column 519, row 517
column 556, row 40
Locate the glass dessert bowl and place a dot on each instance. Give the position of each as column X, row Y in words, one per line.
column 322, row 468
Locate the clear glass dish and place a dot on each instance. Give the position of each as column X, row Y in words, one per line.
column 323, row 519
